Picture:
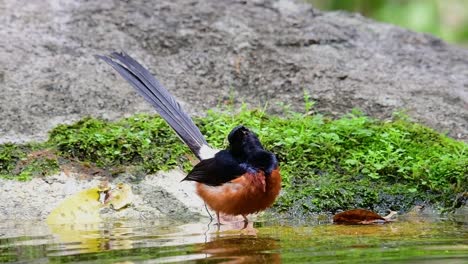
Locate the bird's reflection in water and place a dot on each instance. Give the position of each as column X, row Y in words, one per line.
column 237, row 242
column 241, row 249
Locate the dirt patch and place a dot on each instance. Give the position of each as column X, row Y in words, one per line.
column 155, row 196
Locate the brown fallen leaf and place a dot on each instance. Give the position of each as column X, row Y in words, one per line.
column 361, row 217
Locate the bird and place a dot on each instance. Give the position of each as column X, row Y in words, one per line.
column 242, row 179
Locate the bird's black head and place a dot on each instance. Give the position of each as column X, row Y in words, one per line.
column 238, row 134
column 243, row 141
column 246, row 148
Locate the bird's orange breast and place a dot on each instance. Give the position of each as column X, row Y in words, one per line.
column 249, row 193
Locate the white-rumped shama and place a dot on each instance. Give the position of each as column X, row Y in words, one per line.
column 242, row 179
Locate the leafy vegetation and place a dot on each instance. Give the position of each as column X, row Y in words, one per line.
column 326, row 164
column 446, row 19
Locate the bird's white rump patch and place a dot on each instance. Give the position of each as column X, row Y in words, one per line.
column 207, row 152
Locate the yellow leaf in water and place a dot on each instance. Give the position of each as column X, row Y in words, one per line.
column 82, row 207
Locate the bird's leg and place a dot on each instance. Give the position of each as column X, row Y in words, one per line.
column 245, row 219
column 217, row 217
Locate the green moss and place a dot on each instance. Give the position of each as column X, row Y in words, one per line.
column 138, row 140
column 326, row 164
column 23, row 162
column 10, row 154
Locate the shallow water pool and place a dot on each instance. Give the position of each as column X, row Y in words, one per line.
column 416, row 240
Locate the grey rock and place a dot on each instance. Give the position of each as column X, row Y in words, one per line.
column 208, row 51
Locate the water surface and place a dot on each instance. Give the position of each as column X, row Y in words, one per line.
column 417, row 240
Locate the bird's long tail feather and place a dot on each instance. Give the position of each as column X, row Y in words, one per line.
column 165, row 104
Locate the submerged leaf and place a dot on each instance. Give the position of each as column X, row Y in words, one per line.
column 358, row 216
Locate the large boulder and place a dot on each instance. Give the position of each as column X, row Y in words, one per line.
column 210, row 51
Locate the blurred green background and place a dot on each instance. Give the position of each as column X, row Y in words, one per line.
column 446, row 19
